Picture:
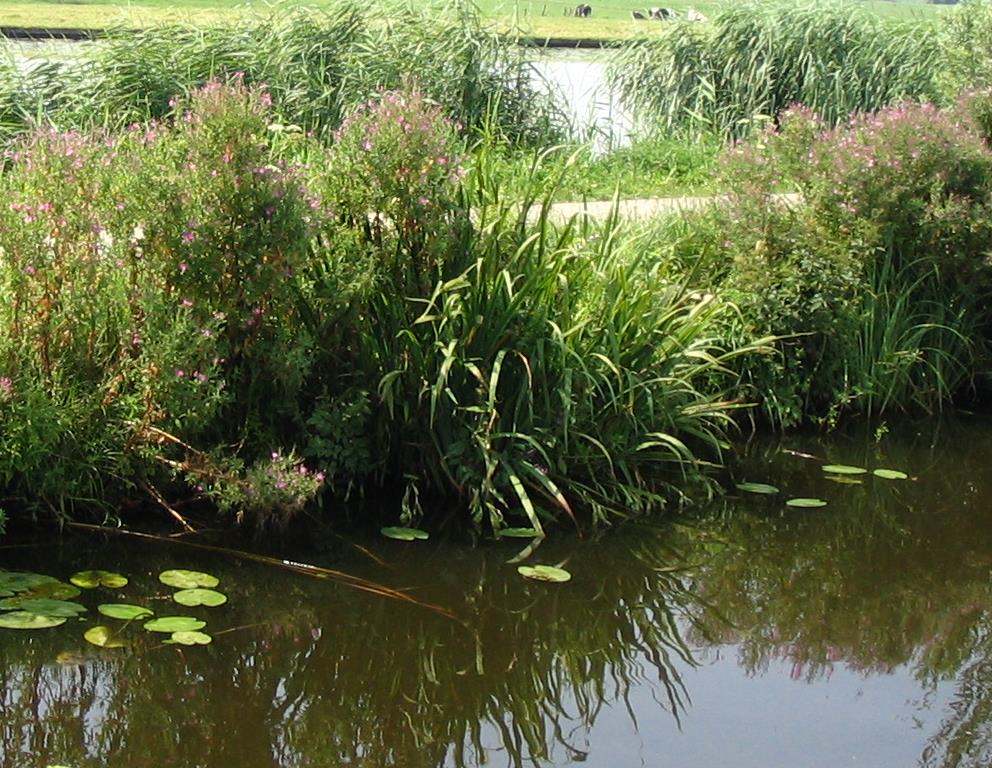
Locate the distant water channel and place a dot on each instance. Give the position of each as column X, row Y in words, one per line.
column 744, row 635
column 577, row 78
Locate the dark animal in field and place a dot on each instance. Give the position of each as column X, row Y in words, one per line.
column 637, row 15
column 583, row 10
column 662, row 14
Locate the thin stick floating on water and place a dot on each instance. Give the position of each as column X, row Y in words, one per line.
column 306, row 569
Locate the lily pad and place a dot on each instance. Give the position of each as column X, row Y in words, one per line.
column 25, row 620
column 94, row 579
column 806, row 503
column 193, row 597
column 517, row 533
column 103, row 637
column 843, row 469
column 405, row 534
column 16, row 581
column 188, row 579
column 544, row 573
column 890, row 474
column 124, row 611
column 44, row 607
column 172, row 624
column 190, row 638
column 757, row 488
column 844, row 479
column 51, row 590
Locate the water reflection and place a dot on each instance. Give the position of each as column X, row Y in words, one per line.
column 883, row 593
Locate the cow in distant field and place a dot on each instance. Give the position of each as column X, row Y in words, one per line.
column 637, row 16
column 583, row 10
column 662, row 14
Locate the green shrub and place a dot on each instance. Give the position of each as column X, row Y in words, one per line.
column 966, row 46
column 878, row 283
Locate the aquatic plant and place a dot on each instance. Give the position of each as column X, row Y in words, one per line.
column 756, row 59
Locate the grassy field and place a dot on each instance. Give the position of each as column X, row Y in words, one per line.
column 540, row 18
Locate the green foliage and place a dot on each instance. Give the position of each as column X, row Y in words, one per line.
column 318, row 66
column 757, row 59
column 877, row 284
column 966, row 43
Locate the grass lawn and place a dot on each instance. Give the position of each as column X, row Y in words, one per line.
column 539, row 18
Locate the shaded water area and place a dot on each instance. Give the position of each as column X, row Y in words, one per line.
column 745, row 634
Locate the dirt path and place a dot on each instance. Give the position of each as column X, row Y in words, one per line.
column 644, row 208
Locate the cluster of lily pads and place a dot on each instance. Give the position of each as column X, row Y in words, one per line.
column 549, row 573
column 38, row 601
column 838, row 473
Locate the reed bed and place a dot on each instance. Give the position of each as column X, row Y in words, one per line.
column 757, row 59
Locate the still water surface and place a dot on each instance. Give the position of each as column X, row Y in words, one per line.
column 748, row 634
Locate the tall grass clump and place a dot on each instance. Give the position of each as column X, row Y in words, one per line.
column 757, row 59
column 966, row 44
column 187, row 315
column 318, row 65
column 878, row 283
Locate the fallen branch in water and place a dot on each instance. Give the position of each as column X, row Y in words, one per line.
column 306, row 569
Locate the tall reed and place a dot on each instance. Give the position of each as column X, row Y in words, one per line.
column 756, row 59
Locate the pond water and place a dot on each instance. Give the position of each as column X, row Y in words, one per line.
column 746, row 634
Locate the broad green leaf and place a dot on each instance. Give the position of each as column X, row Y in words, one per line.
column 181, row 579
column 843, row 469
column 172, row 624
column 890, row 474
column 194, row 597
column 103, row 637
column 44, row 607
column 544, row 573
column 52, row 590
column 517, row 533
column 16, row 581
column 25, row 620
column 404, row 534
column 124, row 611
column 844, row 479
column 94, row 579
column 190, row 638
column 757, row 488
column 806, row 503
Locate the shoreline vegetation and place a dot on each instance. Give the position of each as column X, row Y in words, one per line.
column 297, row 272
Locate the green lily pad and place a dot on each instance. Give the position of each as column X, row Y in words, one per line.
column 890, row 474
column 172, row 624
column 757, row 488
column 103, row 637
column 6, row 593
column 517, row 533
column 25, row 620
column 44, row 607
column 124, row 612
column 843, row 469
column 193, row 597
column 94, row 579
column 544, row 573
column 844, row 479
column 190, row 638
column 181, row 579
column 51, row 590
column 16, row 581
column 806, row 503
column 405, row 534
